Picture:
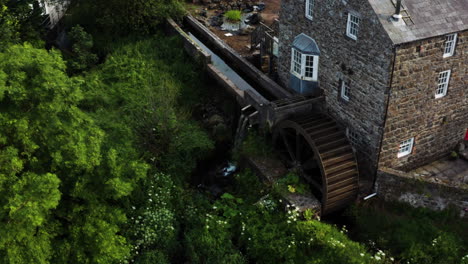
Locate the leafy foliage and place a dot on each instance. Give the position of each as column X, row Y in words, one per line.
column 82, row 57
column 123, row 17
column 51, row 147
column 291, row 183
column 8, row 26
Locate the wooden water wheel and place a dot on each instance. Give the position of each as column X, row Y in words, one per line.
column 319, row 151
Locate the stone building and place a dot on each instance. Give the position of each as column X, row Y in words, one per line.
column 394, row 76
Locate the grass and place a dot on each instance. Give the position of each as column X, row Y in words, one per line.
column 233, row 15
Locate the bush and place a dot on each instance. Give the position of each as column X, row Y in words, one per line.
column 291, row 183
column 233, row 15
column 82, row 44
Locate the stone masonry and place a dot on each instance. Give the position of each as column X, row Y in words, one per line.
column 393, row 185
column 437, row 125
column 365, row 63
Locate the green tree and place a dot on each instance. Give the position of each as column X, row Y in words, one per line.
column 61, row 179
column 8, row 26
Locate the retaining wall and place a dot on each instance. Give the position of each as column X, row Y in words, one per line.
column 394, row 185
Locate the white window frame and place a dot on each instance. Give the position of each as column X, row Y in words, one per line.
column 345, row 87
column 309, row 8
column 442, row 84
column 296, row 62
column 352, row 26
column 450, row 44
column 303, row 63
column 406, row 147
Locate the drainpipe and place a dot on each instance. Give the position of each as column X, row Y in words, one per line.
column 395, row 48
column 397, row 16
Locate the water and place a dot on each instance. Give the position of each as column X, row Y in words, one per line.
column 219, row 64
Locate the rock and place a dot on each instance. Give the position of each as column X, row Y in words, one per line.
column 246, row 31
column 253, row 19
column 203, row 13
column 461, row 147
column 215, row 119
column 216, row 21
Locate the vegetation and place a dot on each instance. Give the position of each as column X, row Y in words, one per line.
column 82, row 57
column 233, row 15
column 95, row 159
column 291, row 183
column 412, row 235
column 255, row 145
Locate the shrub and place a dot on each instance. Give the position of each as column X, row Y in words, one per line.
column 233, row 15
column 291, row 183
column 82, row 44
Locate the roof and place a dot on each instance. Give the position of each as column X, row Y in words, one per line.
column 431, row 18
column 306, row 44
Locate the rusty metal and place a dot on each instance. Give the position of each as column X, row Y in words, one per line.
column 316, row 148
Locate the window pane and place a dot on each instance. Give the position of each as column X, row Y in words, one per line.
column 309, row 66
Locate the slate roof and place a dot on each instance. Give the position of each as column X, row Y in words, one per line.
column 306, row 44
column 431, row 18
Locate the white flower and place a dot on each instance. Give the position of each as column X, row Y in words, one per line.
column 362, row 254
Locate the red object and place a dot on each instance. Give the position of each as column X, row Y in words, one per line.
column 466, row 135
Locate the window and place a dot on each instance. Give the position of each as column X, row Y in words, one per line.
column 449, row 46
column 345, row 90
column 309, row 66
column 296, row 61
column 352, row 136
column 352, row 26
column 309, row 7
column 406, row 147
column 444, row 78
column 304, row 66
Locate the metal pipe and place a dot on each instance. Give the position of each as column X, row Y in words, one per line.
column 369, row 196
column 397, row 14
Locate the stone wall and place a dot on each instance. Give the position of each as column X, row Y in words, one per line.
column 365, row 63
column 437, row 125
column 395, row 185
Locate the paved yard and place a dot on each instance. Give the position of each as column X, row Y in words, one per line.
column 450, row 172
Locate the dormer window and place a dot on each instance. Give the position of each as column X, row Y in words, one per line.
column 309, row 7
column 449, row 46
column 352, row 27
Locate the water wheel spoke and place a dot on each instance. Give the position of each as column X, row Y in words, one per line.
column 298, row 147
column 288, row 146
